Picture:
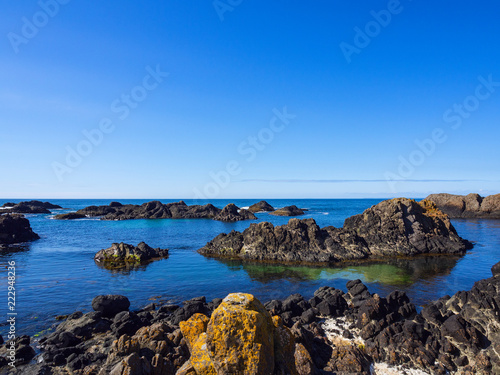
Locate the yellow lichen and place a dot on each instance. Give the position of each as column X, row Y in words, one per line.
column 193, row 328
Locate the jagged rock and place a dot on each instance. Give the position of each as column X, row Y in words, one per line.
column 261, row 206
column 31, row 207
column 232, row 213
column 156, row 210
column 397, row 227
column 468, row 206
column 122, row 255
column 110, row 305
column 15, row 229
column 288, row 211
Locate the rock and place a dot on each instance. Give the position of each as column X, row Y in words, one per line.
column 303, row 361
column 158, row 210
column 232, row 213
column 110, row 305
column 31, row 207
column 240, row 336
column 397, row 227
column 193, row 328
column 15, row 229
column 288, row 211
column 122, row 255
column 468, row 206
column 495, row 270
column 70, row 216
column 261, row 206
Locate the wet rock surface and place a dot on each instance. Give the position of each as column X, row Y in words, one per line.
column 468, row 206
column 333, row 332
column 15, row 228
column 397, row 227
column 122, row 255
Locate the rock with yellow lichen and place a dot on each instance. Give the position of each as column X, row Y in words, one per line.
column 241, row 338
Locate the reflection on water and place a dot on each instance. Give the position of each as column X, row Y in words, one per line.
column 395, row 272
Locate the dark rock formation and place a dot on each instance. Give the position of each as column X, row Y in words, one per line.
column 232, row 213
column 70, row 216
column 459, row 334
column 468, row 206
column 15, row 229
column 122, row 255
column 110, row 305
column 31, row 207
column 398, row 227
column 288, row 211
column 157, row 210
column 260, row 207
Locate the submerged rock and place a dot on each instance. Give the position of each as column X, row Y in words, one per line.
column 122, row 255
column 260, row 207
column 468, row 206
column 15, row 228
column 398, row 227
column 288, row 211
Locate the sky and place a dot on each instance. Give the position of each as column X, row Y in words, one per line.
column 248, row 99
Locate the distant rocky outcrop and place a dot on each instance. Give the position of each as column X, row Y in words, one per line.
column 468, row 206
column 158, row 210
column 397, row 227
column 261, row 206
column 233, row 213
column 122, row 255
column 31, row 207
column 15, row 228
column 288, row 211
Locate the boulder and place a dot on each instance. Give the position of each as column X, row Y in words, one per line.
column 232, row 213
column 288, row 211
column 467, row 206
column 397, row 227
column 122, row 255
column 15, row 229
column 110, row 305
column 261, row 206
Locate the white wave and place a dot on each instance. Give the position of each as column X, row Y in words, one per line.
column 245, row 208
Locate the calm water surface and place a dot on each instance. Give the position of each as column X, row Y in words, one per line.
column 57, row 275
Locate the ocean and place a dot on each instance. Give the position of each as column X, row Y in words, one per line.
column 56, row 275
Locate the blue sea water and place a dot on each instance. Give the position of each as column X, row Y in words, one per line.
column 57, row 275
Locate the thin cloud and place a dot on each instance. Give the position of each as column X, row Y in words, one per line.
column 338, row 181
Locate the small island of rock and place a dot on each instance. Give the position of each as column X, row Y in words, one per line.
column 261, row 206
column 15, row 228
column 288, row 211
column 122, row 255
column 31, row 207
column 392, row 228
column 158, row 210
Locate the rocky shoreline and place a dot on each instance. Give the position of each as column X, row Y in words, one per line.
column 392, row 228
column 333, row 332
column 29, row 207
column 468, row 206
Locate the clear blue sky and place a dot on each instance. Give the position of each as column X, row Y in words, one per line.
column 230, row 70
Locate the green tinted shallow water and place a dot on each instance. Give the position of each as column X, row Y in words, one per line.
column 57, row 275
